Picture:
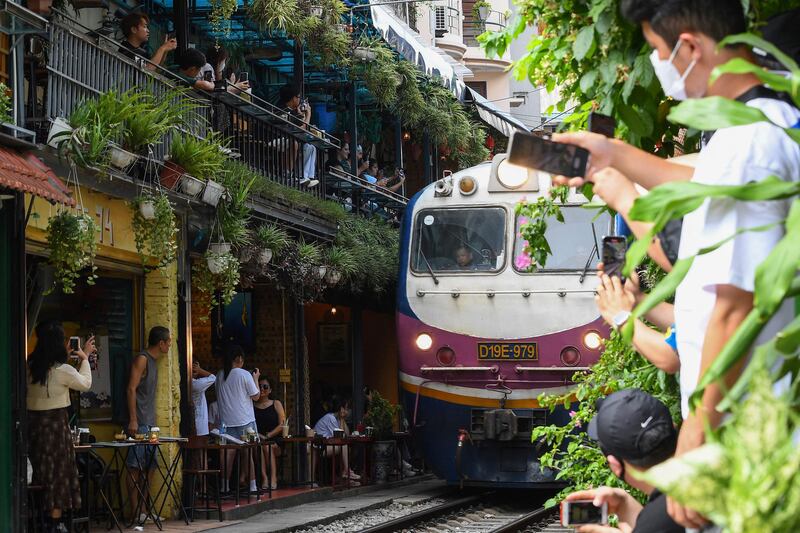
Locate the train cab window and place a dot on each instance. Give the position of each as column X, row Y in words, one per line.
column 459, row 240
column 575, row 242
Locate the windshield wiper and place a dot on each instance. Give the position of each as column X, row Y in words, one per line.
column 591, row 255
column 430, row 269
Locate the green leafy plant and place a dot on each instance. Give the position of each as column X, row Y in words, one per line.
column 202, row 158
column 71, row 242
column 220, row 16
column 151, row 117
column 341, row 260
column 745, row 478
column 309, row 254
column 155, row 238
column 5, row 104
column 576, row 458
column 272, row 237
column 476, row 9
column 233, row 212
column 215, row 288
column 380, row 416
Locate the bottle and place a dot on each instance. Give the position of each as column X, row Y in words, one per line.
column 221, row 433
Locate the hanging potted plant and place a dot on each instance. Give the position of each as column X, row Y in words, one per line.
column 309, row 256
column 340, row 263
column 272, row 240
column 217, row 286
column 316, row 11
column 154, row 230
column 192, row 161
column 220, row 16
column 71, row 240
column 481, row 10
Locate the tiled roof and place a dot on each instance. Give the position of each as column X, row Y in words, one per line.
column 29, row 174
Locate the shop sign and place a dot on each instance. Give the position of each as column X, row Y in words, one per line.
column 285, row 375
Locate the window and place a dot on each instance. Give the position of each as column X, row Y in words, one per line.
column 459, row 240
column 479, row 87
column 573, row 242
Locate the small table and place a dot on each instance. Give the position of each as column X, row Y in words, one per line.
column 250, row 448
column 348, row 442
column 303, row 445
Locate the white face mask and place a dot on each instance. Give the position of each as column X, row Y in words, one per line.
column 222, row 66
column 673, row 83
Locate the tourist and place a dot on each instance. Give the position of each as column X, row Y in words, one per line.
column 141, row 396
column 270, row 418
column 136, row 30
column 189, row 65
column 202, row 380
column 51, row 450
column 336, row 420
column 236, row 390
column 299, row 113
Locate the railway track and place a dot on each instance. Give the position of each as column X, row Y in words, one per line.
column 471, row 515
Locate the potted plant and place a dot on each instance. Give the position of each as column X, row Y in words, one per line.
column 272, row 240
column 198, row 158
column 218, row 286
column 481, row 10
column 340, row 263
column 380, row 417
column 155, row 234
column 309, row 256
column 71, row 240
column 233, row 212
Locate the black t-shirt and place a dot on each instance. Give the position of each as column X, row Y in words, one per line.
column 128, row 50
column 654, row 517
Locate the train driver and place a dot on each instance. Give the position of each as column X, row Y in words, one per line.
column 464, row 258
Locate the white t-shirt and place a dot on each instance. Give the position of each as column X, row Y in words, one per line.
column 199, row 388
column 733, row 156
column 234, row 394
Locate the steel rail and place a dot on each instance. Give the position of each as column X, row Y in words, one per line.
column 524, row 521
column 398, row 524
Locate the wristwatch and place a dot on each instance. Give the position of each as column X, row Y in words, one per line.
column 621, row 318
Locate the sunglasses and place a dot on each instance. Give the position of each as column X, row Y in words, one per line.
column 264, row 387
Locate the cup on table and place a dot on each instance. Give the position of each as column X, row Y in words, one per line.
column 285, row 430
column 338, row 433
column 83, row 436
column 310, row 433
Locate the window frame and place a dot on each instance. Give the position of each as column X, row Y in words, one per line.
column 457, row 273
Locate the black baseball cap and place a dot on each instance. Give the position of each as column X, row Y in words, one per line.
column 632, row 425
column 781, row 31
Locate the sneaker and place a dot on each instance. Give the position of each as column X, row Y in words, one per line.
column 311, row 183
column 353, row 476
column 144, row 518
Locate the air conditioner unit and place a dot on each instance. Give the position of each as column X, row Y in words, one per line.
column 441, row 19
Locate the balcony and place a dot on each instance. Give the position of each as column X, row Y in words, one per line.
column 449, row 29
column 475, row 59
column 261, row 135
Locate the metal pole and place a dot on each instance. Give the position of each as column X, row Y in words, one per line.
column 299, row 380
column 354, row 141
column 427, row 173
column 299, row 67
column 181, row 22
column 398, row 148
column 358, row 364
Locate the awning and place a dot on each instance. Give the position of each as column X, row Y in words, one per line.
column 410, row 45
column 493, row 116
column 28, row 174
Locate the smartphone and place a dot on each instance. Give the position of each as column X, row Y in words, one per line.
column 243, row 76
column 582, row 512
column 208, row 76
column 74, row 344
column 530, row 151
column 614, row 249
column 602, row 124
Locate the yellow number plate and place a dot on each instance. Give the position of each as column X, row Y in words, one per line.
column 507, row 351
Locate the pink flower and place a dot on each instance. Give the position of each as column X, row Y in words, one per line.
column 523, row 261
column 572, row 415
column 522, row 221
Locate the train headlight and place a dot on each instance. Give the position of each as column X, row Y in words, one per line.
column 511, row 176
column 570, row 356
column 592, row 340
column 467, row 185
column 424, row 341
column 446, row 356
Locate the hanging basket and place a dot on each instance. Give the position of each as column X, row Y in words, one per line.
column 265, row 256
column 191, row 186
column 148, row 209
column 219, row 248
column 58, row 128
column 333, row 277
column 216, row 262
column 320, row 271
column 121, row 159
column 212, row 193
column 170, row 175
column 483, row 13
column 365, row 54
column 316, row 11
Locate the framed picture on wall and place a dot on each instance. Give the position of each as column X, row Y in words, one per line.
column 334, row 343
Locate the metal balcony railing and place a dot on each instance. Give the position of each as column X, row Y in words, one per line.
column 264, row 136
column 473, row 27
column 448, row 18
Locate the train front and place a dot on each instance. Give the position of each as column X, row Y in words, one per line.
column 479, row 338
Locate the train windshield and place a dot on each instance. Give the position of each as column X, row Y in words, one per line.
column 573, row 242
column 459, row 240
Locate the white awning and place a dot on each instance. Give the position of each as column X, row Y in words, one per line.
column 411, row 46
column 494, row 116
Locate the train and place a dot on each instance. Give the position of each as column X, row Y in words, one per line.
column 479, row 338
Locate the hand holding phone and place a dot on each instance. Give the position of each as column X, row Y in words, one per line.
column 583, row 512
column 539, row 153
column 602, row 124
column 243, row 76
column 74, row 344
column 614, row 249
